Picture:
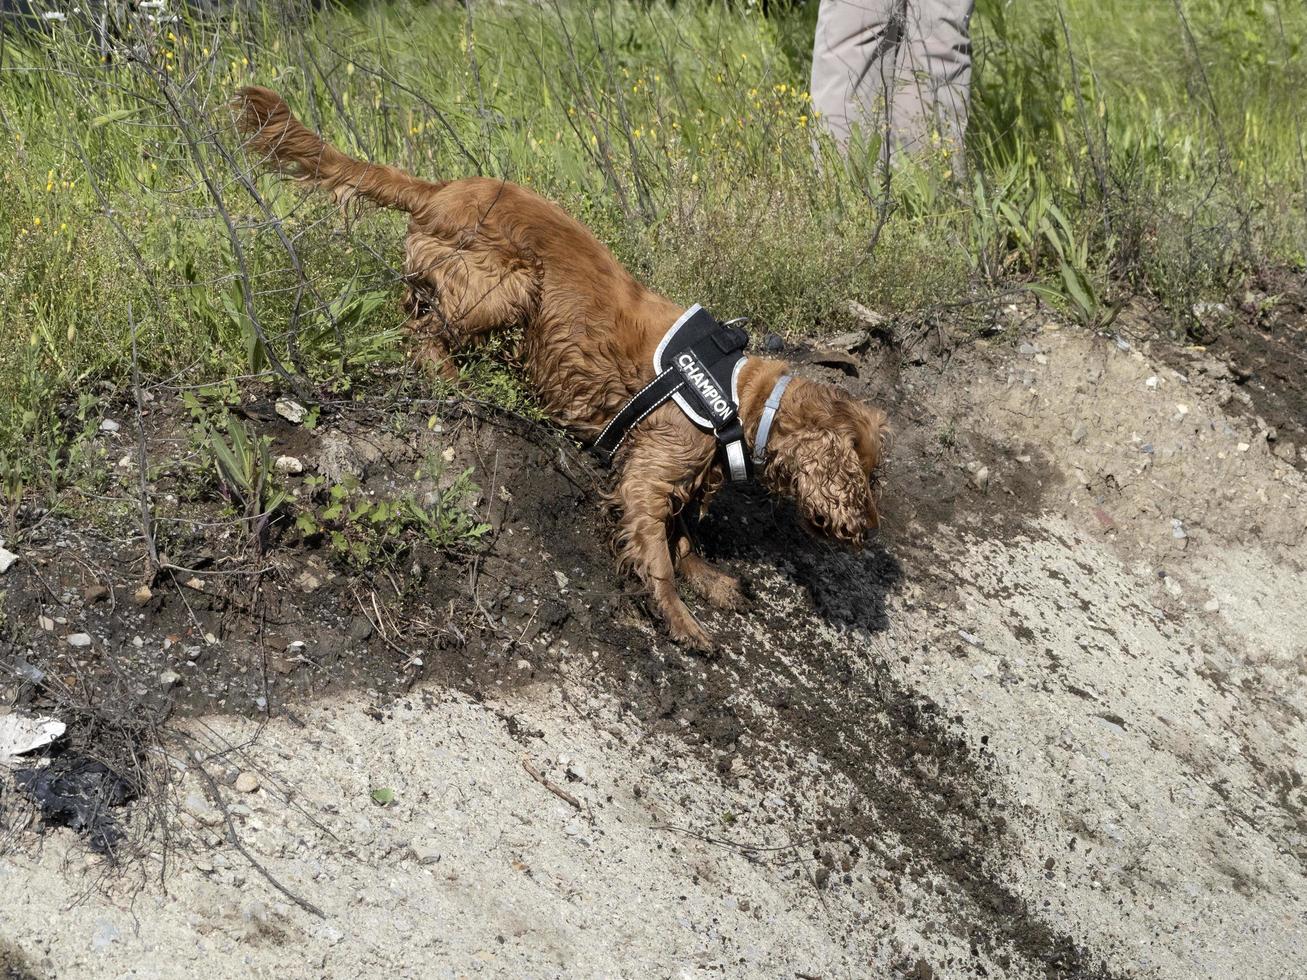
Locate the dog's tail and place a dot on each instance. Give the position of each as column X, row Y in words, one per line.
column 270, row 128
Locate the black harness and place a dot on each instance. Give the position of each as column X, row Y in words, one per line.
column 697, row 365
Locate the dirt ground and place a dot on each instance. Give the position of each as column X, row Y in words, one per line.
column 1049, row 724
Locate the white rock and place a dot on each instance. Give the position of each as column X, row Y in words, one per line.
column 425, row 851
column 1182, row 409
column 78, row 639
column 1151, row 382
column 169, row 678
column 24, row 733
column 292, row 411
column 1212, row 605
column 46, row 623
column 109, row 425
column 289, row 464
column 202, row 810
column 7, row 559
column 247, row 782
column 561, row 579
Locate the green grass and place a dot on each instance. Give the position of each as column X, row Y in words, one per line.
column 682, row 136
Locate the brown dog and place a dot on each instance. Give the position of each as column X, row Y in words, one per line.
column 485, row 254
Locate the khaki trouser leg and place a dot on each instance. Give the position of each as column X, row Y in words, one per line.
column 901, row 68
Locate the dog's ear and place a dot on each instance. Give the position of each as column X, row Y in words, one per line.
column 821, row 471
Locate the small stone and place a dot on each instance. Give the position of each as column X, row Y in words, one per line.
column 289, row 464
column 1026, row 349
column 1079, row 432
column 1243, row 447
column 95, row 593
column 247, row 782
column 202, row 810
column 169, row 678
column 867, row 318
column 772, row 343
column 307, row 581
column 46, row 623
column 970, row 638
column 7, row 559
column 78, row 639
column 1182, row 410
column 847, row 342
column 1212, row 605
column 1177, row 529
column 142, row 595
column 561, row 579
column 292, row 411
column 106, row 933
column 1151, row 382
column 196, row 583
column 127, row 462
column 980, row 477
column 109, row 425
column 425, row 851
column 1041, row 358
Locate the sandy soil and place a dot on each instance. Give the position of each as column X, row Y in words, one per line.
column 1050, row 725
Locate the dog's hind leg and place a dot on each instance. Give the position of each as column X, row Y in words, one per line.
column 475, row 287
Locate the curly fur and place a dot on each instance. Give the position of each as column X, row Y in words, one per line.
column 482, row 255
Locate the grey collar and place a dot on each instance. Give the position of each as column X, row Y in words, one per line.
column 768, row 415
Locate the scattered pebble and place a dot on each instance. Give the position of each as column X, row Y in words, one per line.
column 247, row 782
column 979, row 475
column 142, row 595
column 425, row 851
column 561, row 579
column 1243, row 447
column 196, row 583
column 289, row 464
column 7, row 559
column 1182, row 409
column 307, row 581
column 970, row 638
column 1212, row 605
column 1151, row 382
column 109, row 425
column 1177, row 529
column 292, row 411
column 78, row 639
column 201, row 809
column 46, row 623
column 1079, row 432
column 169, row 678
column 1041, row 358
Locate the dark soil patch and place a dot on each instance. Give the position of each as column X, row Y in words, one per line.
column 541, row 598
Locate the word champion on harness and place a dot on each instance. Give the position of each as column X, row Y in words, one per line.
column 690, row 365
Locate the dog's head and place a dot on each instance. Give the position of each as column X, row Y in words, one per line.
column 823, row 453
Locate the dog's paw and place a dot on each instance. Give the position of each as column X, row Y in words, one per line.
column 724, row 592
column 691, row 635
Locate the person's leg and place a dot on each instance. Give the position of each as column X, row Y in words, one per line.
column 853, row 56
column 933, row 81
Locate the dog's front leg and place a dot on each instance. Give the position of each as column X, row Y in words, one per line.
column 721, row 590
column 645, row 493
